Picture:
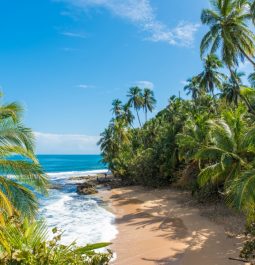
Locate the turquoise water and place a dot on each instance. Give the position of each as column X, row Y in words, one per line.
column 84, row 219
column 68, row 163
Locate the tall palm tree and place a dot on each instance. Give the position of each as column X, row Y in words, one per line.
column 17, row 140
column 117, row 108
column 148, row 101
column 136, row 100
column 192, row 88
column 231, row 88
column 211, row 78
column 229, row 31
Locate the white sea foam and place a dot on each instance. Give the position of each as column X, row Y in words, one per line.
column 83, row 219
column 65, row 175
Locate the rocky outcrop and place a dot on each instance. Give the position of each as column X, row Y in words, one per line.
column 86, row 189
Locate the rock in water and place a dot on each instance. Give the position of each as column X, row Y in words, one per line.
column 86, row 189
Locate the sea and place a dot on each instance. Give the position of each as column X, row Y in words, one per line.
column 81, row 218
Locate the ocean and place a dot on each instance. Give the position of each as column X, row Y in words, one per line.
column 84, row 219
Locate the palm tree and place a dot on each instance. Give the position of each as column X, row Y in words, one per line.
column 229, row 31
column 148, row 101
column 211, row 78
column 231, row 88
column 128, row 115
column 230, row 150
column 117, row 108
column 192, row 87
column 17, row 140
column 136, row 100
column 193, row 135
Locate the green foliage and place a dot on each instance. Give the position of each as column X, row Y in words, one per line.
column 25, row 244
column 16, row 139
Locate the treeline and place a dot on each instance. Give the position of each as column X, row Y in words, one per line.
column 205, row 143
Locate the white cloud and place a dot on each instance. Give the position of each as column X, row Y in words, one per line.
column 49, row 143
column 145, row 84
column 183, row 82
column 74, row 34
column 85, row 86
column 143, row 15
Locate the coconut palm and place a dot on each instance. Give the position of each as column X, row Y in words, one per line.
column 17, row 140
column 117, row 108
column 229, row 31
column 136, row 100
column 107, row 143
column 148, row 101
column 192, row 88
column 121, row 133
column 231, row 88
column 211, row 78
column 230, row 151
column 128, row 115
column 193, row 135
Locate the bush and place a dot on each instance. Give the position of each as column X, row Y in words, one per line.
column 25, row 244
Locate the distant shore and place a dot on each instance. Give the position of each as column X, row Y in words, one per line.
column 165, row 227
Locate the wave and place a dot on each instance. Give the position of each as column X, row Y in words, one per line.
column 84, row 219
column 68, row 174
column 81, row 218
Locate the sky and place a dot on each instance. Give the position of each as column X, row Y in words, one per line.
column 66, row 60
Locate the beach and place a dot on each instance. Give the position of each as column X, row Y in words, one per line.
column 163, row 227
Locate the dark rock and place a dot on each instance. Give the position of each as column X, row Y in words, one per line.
column 86, row 189
column 55, row 186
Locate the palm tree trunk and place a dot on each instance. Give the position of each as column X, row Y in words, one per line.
column 138, row 117
column 246, row 56
column 146, row 115
column 214, row 101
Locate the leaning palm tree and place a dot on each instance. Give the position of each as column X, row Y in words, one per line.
column 136, row 100
column 148, row 101
column 18, row 165
column 211, row 78
column 192, row 88
column 229, row 31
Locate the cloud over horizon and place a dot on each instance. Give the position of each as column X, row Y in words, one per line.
column 142, row 14
column 50, row 143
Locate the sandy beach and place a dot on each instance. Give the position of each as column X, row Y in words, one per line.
column 158, row 227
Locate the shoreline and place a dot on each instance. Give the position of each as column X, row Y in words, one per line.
column 158, row 227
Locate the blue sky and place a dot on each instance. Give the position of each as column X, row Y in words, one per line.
column 66, row 60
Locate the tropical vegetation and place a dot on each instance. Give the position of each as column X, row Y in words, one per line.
column 206, row 141
column 23, row 239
